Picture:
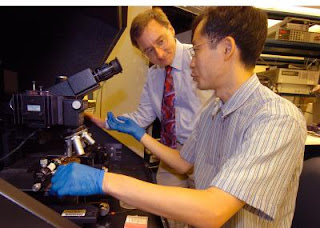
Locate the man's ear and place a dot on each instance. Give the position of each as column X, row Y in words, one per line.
column 171, row 29
column 230, row 47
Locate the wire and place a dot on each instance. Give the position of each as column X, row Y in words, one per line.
column 268, row 82
column 10, row 103
column 264, row 61
column 310, row 64
column 20, row 145
column 312, row 133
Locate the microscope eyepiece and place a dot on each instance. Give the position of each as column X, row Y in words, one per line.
column 107, row 70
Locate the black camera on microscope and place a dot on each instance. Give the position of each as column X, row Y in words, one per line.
column 61, row 104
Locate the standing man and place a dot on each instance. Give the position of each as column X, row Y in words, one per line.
column 247, row 146
column 169, row 94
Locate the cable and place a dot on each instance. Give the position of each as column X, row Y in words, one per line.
column 20, row 145
column 310, row 64
column 264, row 61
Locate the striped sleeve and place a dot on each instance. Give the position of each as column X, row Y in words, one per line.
column 188, row 149
column 264, row 164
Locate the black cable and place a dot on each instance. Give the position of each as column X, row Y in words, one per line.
column 20, row 145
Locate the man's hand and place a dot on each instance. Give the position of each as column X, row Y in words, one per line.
column 125, row 125
column 99, row 122
column 77, row 180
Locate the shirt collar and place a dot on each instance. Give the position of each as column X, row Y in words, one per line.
column 217, row 103
column 178, row 58
column 240, row 96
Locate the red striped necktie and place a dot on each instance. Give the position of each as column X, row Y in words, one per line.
column 168, row 122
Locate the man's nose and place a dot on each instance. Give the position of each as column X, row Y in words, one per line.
column 159, row 52
column 192, row 64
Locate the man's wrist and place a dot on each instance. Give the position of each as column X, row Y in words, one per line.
column 139, row 134
column 102, row 181
column 106, row 125
column 105, row 183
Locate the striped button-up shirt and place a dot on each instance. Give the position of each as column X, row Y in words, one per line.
column 252, row 147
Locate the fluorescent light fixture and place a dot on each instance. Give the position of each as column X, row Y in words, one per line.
column 295, row 9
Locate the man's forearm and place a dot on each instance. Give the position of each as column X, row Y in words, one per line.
column 98, row 121
column 201, row 208
column 169, row 156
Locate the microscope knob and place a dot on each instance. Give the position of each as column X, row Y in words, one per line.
column 43, row 162
column 36, row 187
column 76, row 104
column 104, row 208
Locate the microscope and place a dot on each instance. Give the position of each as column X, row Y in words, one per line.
column 61, row 106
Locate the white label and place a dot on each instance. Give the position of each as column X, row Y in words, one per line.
column 135, row 221
column 33, row 108
column 74, row 213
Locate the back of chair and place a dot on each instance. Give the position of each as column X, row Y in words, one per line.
column 307, row 212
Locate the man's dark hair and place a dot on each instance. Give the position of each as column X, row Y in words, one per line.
column 247, row 25
column 140, row 22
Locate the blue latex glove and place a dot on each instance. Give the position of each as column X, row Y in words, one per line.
column 125, row 125
column 77, row 180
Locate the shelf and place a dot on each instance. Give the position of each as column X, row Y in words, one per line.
column 271, row 60
column 290, row 48
column 279, row 15
column 296, row 95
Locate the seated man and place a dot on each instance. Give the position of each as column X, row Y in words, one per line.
column 246, row 149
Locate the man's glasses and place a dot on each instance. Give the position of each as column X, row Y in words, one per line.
column 161, row 44
column 194, row 48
